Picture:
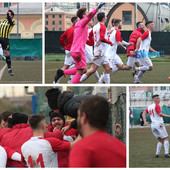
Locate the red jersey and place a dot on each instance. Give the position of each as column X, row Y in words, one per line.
column 98, row 150
column 67, row 35
column 133, row 39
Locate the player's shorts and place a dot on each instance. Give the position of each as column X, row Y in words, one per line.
column 79, row 59
column 1, row 50
column 89, row 57
column 68, row 58
column 5, row 43
column 146, row 61
column 159, row 130
column 116, row 60
column 131, row 61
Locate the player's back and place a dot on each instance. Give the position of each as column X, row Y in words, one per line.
column 38, row 153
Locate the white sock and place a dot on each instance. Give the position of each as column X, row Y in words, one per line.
column 107, row 78
column 158, row 149
column 96, row 74
column 59, row 79
column 83, row 77
column 101, row 79
column 140, row 74
column 166, row 146
column 71, row 77
column 72, row 66
column 114, row 69
column 143, row 68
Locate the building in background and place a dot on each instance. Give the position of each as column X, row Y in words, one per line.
column 30, row 19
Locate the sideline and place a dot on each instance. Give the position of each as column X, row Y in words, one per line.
column 2, row 71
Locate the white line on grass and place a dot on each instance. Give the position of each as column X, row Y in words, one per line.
column 2, row 70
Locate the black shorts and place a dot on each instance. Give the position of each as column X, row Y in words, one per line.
column 5, row 43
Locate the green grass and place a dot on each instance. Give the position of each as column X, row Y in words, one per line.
column 25, row 72
column 142, row 148
column 159, row 74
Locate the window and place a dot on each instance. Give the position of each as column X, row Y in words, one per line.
column 60, row 22
column 53, row 22
column 53, row 29
column 127, row 17
column 60, row 29
column 167, row 20
column 46, row 29
column 7, row 4
column 53, row 16
column 46, row 22
column 60, row 16
column 163, row 88
column 46, row 16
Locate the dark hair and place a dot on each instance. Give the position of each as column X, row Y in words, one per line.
column 0, row 119
column 54, row 114
column 113, row 20
column 5, row 115
column 81, row 12
column 148, row 22
column 35, row 120
column 117, row 21
column 96, row 109
column 12, row 13
column 100, row 16
column 138, row 23
column 156, row 95
column 73, row 19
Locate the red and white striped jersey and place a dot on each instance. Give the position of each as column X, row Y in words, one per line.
column 42, row 152
column 154, row 110
column 146, row 41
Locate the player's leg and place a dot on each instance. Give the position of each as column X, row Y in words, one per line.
column 107, row 71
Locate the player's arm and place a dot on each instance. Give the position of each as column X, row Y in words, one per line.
column 9, row 18
column 119, row 39
column 138, row 43
column 158, row 110
column 126, row 43
column 163, row 115
column 151, row 49
column 121, row 45
column 91, row 15
column 102, row 35
column 144, row 117
column 141, row 38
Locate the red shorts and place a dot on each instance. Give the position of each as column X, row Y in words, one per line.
column 80, row 59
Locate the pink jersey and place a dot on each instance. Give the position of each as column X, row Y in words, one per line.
column 146, row 41
column 154, row 110
column 81, row 33
column 42, row 152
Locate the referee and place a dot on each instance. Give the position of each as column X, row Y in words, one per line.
column 6, row 26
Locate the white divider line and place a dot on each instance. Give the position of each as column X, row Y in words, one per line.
column 2, row 71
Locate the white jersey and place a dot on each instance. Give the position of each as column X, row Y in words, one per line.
column 146, row 41
column 154, row 110
column 114, row 37
column 3, row 157
column 42, row 152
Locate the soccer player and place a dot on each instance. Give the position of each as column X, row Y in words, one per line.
column 157, row 125
column 40, row 151
column 68, row 36
column 78, row 45
column 6, row 26
column 97, row 148
column 131, row 49
column 111, row 52
column 143, row 47
column 100, row 40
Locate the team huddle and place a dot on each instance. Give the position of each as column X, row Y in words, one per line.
column 79, row 142
column 81, row 38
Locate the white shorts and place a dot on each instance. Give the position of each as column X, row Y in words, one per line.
column 68, row 58
column 159, row 130
column 3, row 157
column 89, row 57
column 131, row 61
column 1, row 50
column 116, row 60
column 146, row 61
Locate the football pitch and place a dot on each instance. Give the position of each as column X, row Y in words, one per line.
column 25, row 72
column 142, row 149
column 159, row 74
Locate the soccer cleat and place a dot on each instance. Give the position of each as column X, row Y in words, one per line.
column 10, row 72
column 137, row 81
column 167, row 155
column 133, row 71
column 156, row 156
column 58, row 75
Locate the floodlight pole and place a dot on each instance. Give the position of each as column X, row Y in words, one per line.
column 18, row 19
column 135, row 15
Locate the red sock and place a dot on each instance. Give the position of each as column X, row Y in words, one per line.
column 70, row 71
column 76, row 78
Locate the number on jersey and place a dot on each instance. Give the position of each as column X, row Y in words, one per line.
column 34, row 164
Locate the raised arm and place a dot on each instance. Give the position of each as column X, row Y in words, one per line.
column 144, row 118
